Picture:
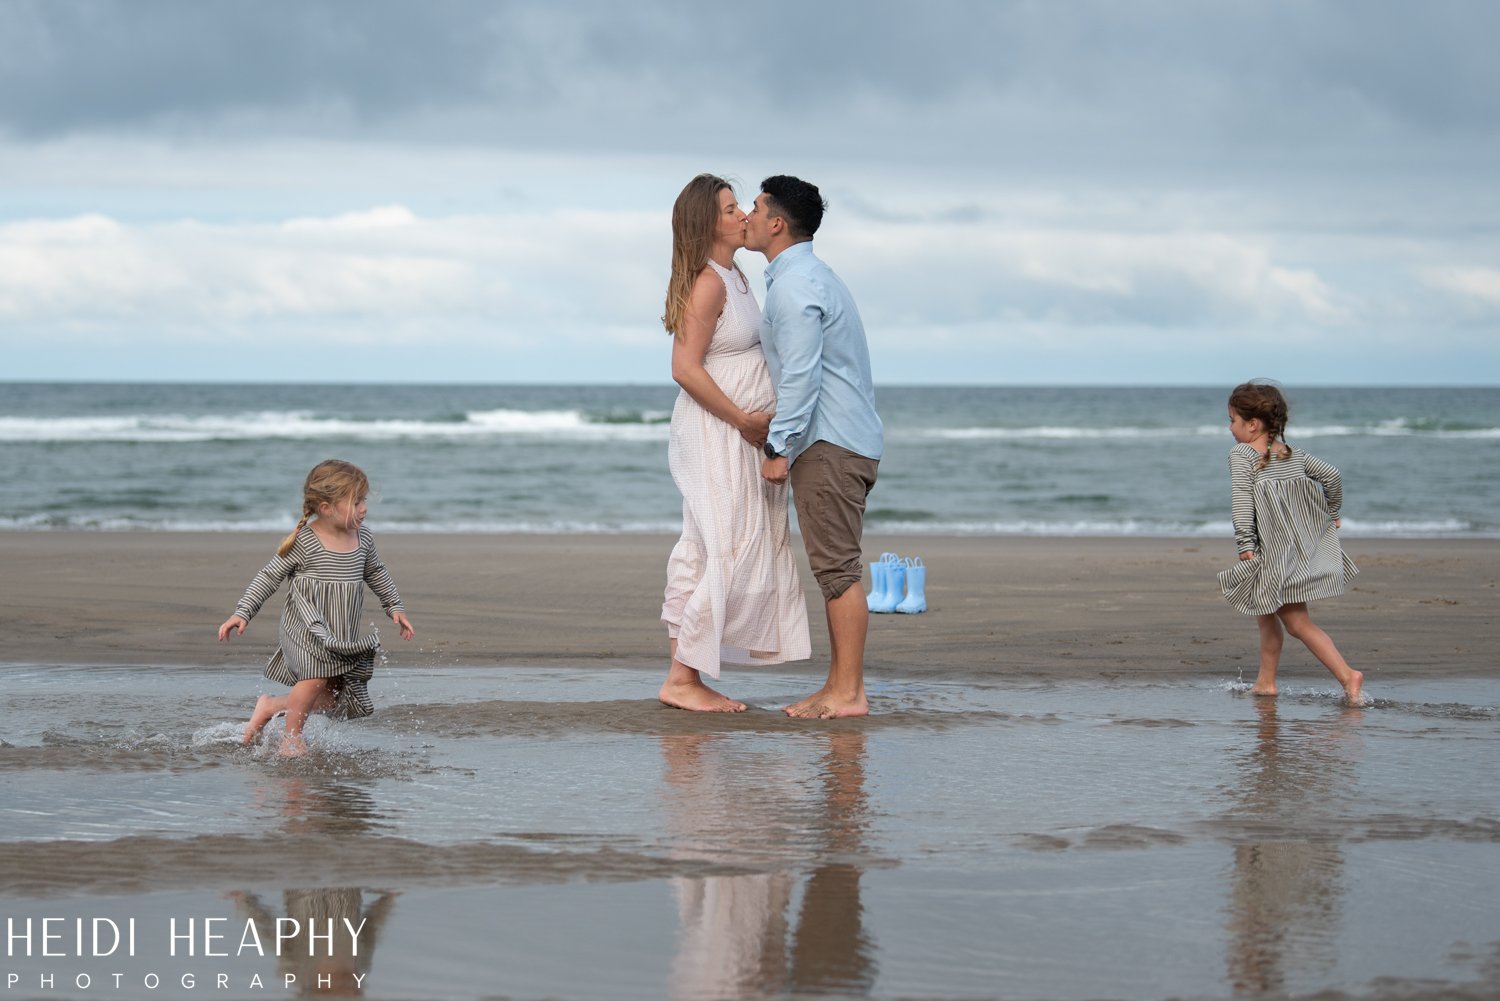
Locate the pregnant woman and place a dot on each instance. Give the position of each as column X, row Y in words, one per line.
column 732, row 592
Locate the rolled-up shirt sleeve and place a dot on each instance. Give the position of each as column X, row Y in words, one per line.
column 792, row 308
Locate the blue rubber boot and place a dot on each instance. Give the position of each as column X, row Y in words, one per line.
column 880, row 580
column 916, row 588
column 877, row 583
column 895, row 577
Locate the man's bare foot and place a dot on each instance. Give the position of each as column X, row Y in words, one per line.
column 821, row 705
column 1259, row 689
column 1354, row 692
column 265, row 710
column 697, row 697
column 293, row 746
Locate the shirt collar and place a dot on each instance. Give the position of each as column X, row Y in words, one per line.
column 785, row 258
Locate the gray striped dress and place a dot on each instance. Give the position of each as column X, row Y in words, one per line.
column 320, row 625
column 1284, row 514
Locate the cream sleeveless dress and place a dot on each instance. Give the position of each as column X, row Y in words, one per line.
column 733, row 594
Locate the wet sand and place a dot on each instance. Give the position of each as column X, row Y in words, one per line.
column 551, row 832
column 1022, row 606
column 1065, row 791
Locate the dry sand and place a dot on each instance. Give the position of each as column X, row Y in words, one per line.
column 1018, row 606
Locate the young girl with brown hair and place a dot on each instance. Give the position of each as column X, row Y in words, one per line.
column 1285, row 505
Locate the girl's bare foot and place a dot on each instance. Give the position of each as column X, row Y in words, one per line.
column 266, row 709
column 1259, row 689
column 695, row 696
column 292, row 746
column 1354, row 692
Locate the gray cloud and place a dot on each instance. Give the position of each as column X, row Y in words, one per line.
column 1096, row 85
column 79, row 66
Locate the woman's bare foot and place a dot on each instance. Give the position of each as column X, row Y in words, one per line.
column 266, row 709
column 293, row 746
column 822, row 705
column 1354, row 692
column 695, row 696
column 1259, row 689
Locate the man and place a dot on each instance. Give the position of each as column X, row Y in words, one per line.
column 826, row 435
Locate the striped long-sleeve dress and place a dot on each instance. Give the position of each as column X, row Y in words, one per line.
column 320, row 626
column 1285, row 514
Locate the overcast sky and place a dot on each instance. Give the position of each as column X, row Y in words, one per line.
column 1155, row 191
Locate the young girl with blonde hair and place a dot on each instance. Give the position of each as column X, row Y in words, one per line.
column 322, row 654
column 1285, row 506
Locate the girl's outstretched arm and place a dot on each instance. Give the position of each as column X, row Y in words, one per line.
column 381, row 582
column 262, row 586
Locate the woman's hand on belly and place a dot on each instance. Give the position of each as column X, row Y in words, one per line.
column 755, row 427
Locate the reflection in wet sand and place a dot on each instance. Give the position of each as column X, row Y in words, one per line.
column 337, row 962
column 1285, row 895
column 760, row 810
column 335, row 965
column 319, row 804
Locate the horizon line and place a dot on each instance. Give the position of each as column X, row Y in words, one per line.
column 666, row 383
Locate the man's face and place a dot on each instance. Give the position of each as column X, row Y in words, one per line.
column 758, row 225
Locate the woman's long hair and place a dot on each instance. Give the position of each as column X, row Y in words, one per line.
column 695, row 220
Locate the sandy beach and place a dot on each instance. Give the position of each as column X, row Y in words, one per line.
column 1062, row 751
column 1075, row 607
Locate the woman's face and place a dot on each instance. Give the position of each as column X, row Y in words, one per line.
column 731, row 229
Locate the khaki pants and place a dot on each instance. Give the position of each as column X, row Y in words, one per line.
column 829, row 487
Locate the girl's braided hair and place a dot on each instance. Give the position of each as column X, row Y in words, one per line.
column 1263, row 401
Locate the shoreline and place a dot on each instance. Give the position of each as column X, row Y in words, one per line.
column 1018, row 607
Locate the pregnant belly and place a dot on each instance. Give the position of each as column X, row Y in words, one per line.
column 744, row 379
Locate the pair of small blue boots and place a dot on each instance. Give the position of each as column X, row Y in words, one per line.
column 898, row 585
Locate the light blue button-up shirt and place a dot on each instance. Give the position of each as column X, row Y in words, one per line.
column 820, row 363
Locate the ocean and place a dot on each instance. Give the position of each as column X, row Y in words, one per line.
column 1416, row 462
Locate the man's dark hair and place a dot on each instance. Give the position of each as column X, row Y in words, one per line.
column 796, row 201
